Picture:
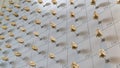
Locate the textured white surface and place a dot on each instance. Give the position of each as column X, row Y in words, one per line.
column 86, row 28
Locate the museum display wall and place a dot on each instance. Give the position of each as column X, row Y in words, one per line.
column 59, row 34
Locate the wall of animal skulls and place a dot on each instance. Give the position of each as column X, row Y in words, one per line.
column 60, row 34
